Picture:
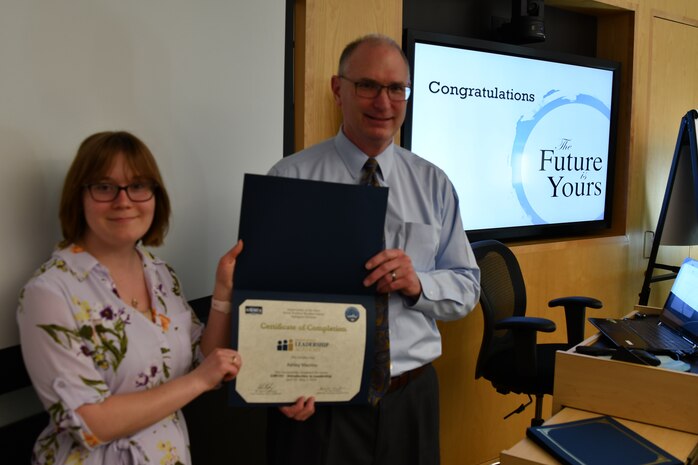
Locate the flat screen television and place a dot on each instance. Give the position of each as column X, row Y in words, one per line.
column 527, row 136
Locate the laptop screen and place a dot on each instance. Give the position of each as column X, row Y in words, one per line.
column 681, row 308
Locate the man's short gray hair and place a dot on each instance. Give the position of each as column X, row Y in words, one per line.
column 373, row 39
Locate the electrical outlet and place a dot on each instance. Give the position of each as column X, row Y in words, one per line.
column 647, row 247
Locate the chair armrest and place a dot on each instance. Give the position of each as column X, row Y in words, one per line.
column 530, row 323
column 575, row 315
column 524, row 331
column 576, row 301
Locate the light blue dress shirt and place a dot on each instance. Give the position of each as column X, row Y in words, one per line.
column 423, row 220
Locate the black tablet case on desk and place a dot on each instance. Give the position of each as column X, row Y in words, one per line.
column 598, row 441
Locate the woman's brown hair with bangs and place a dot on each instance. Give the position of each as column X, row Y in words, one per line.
column 92, row 162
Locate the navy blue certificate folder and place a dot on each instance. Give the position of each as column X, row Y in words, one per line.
column 308, row 241
column 598, row 441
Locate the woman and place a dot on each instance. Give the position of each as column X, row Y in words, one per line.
column 112, row 347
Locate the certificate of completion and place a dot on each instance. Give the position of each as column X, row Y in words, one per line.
column 301, row 317
column 296, row 348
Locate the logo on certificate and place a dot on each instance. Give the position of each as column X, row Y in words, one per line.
column 253, row 310
column 351, row 314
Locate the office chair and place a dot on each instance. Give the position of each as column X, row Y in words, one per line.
column 510, row 357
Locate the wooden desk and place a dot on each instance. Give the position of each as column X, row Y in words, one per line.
column 526, row 452
column 659, row 404
column 642, row 393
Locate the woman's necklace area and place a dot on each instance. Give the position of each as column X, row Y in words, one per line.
column 135, row 303
column 148, row 313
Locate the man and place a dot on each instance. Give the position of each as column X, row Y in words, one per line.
column 427, row 268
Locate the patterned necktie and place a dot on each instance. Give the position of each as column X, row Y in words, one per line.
column 380, row 377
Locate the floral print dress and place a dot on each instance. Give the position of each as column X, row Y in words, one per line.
column 82, row 343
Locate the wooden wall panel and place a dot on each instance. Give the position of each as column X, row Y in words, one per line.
column 673, row 72
column 329, row 25
column 615, row 42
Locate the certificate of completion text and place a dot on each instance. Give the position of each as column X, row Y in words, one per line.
column 292, row 349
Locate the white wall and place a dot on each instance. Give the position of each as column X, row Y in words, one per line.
column 200, row 82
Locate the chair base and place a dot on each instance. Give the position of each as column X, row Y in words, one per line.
column 537, row 419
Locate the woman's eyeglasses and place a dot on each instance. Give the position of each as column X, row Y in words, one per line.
column 107, row 192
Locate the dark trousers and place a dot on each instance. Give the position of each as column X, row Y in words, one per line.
column 402, row 430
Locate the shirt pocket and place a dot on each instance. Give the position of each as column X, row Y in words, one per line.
column 421, row 244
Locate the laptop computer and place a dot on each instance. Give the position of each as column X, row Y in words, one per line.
column 675, row 331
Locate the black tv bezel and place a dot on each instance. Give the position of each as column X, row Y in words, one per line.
column 528, row 232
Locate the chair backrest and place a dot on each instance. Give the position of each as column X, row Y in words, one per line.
column 502, row 295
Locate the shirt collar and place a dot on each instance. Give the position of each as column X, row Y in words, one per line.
column 77, row 260
column 354, row 158
column 82, row 262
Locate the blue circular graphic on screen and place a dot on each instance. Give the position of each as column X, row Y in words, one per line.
column 559, row 168
column 351, row 314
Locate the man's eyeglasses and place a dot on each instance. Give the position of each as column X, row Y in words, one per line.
column 136, row 191
column 371, row 89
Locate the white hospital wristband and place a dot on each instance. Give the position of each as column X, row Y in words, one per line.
column 220, row 306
